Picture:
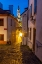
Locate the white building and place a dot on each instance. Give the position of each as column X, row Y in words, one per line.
column 24, row 17
column 7, row 26
column 35, row 27
column 32, row 24
column 38, row 47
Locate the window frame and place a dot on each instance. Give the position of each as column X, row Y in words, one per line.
column 30, row 33
column 1, row 37
column 11, row 22
column 31, row 10
column 1, row 22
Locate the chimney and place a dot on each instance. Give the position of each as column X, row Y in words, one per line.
column 1, row 5
column 11, row 9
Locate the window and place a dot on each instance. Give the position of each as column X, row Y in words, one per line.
column 31, row 10
column 11, row 22
column 35, row 6
column 30, row 33
column 2, row 37
column 1, row 22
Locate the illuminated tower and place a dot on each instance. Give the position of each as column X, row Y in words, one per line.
column 18, row 13
column 19, row 17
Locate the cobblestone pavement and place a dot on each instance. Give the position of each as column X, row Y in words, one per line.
column 28, row 56
column 17, row 55
column 10, row 55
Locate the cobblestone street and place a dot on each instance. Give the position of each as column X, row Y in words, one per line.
column 28, row 56
column 17, row 55
column 10, row 55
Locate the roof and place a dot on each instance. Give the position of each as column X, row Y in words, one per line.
column 4, row 11
column 7, row 13
column 25, row 10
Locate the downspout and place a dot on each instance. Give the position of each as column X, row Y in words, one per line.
column 7, row 28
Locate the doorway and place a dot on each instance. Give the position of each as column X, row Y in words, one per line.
column 34, row 38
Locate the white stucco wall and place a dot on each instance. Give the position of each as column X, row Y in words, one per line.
column 2, row 31
column 7, row 29
column 30, row 24
column 24, row 27
column 38, row 50
column 11, row 29
column 24, row 21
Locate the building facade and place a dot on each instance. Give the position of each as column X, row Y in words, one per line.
column 38, row 44
column 7, row 26
column 32, row 25
column 35, row 27
column 25, row 27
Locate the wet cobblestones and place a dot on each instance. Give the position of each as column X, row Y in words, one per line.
column 17, row 55
column 10, row 55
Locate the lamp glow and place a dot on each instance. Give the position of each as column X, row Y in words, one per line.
column 20, row 34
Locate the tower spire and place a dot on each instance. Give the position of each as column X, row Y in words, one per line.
column 18, row 7
column 18, row 13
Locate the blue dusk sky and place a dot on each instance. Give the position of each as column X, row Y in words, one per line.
column 22, row 4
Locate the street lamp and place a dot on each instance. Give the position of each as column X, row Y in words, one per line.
column 20, row 34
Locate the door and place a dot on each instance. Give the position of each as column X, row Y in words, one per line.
column 34, row 38
column 1, row 37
